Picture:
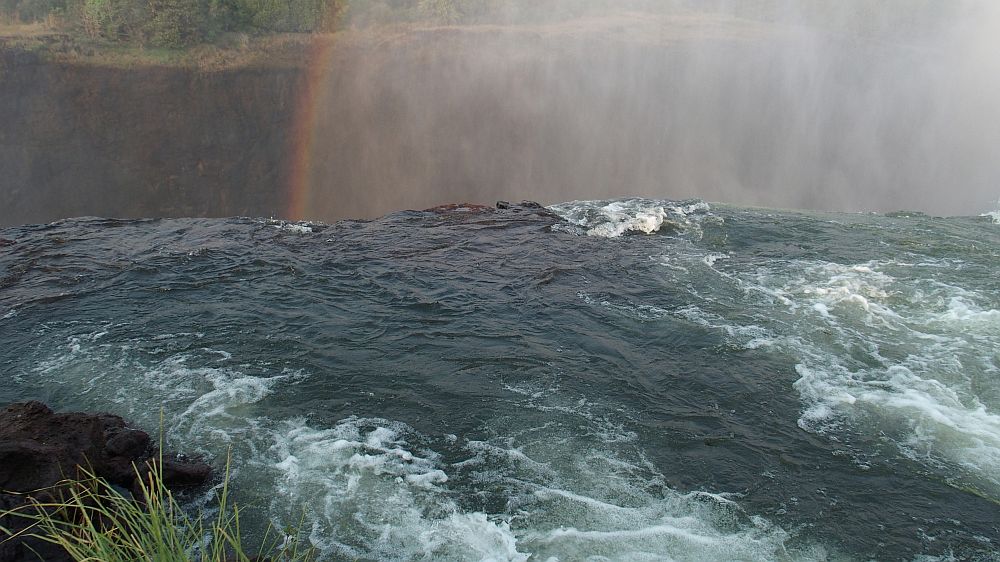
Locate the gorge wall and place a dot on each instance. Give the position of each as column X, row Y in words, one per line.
column 360, row 124
column 95, row 140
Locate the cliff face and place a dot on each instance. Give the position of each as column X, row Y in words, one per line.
column 80, row 140
column 634, row 105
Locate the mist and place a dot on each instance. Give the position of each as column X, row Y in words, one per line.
column 847, row 106
column 843, row 105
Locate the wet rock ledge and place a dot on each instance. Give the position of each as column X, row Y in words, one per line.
column 40, row 448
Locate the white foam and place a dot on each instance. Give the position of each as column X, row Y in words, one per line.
column 968, row 316
column 612, row 219
column 208, row 401
column 573, row 487
column 750, row 336
column 710, row 259
column 378, row 497
column 160, row 337
column 297, row 228
column 880, row 343
column 636, row 311
column 373, row 488
column 622, row 220
column 293, row 227
column 598, row 506
column 993, row 215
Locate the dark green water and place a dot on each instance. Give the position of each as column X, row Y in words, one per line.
column 735, row 384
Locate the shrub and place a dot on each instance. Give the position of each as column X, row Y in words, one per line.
column 115, row 20
column 285, row 15
column 175, row 23
column 442, row 11
column 30, row 11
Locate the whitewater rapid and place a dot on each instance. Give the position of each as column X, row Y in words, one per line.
column 376, row 488
column 646, row 379
column 904, row 349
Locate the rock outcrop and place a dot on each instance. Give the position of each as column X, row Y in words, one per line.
column 39, row 448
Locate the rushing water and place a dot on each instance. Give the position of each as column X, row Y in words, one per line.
column 635, row 380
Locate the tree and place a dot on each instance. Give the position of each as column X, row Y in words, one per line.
column 175, row 23
column 111, row 19
column 442, row 11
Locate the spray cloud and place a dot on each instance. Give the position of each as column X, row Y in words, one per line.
column 852, row 105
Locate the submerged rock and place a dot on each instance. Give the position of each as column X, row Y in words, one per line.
column 39, row 448
column 529, row 207
column 465, row 212
column 460, row 208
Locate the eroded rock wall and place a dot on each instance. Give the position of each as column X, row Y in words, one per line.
column 79, row 139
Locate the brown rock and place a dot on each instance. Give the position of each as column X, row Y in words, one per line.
column 126, row 442
column 39, row 448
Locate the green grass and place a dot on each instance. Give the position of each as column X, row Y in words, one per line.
column 94, row 522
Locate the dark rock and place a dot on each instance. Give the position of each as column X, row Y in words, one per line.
column 48, row 447
column 24, row 549
column 461, row 208
column 40, row 448
column 179, row 472
column 119, row 470
column 126, row 442
column 527, row 207
column 25, row 464
column 6, row 242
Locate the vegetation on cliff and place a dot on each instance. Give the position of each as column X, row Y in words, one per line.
column 181, row 23
column 178, row 23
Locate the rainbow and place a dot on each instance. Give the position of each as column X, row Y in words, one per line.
column 303, row 138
